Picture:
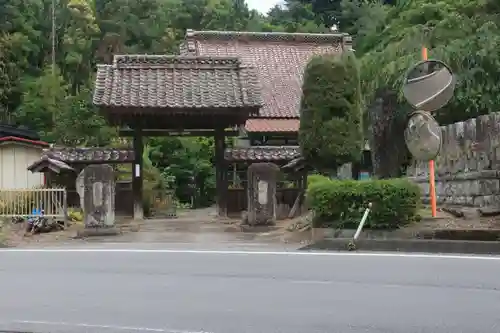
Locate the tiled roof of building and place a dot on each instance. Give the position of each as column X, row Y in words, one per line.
column 175, row 82
column 280, row 59
column 46, row 164
column 272, row 125
column 100, row 155
column 90, row 155
column 262, row 154
column 9, row 139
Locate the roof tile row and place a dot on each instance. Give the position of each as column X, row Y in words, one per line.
column 262, row 154
column 125, row 155
column 173, row 82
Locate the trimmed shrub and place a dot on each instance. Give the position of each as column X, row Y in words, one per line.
column 330, row 133
column 312, row 179
column 341, row 203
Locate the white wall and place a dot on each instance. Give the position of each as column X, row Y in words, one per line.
column 14, row 161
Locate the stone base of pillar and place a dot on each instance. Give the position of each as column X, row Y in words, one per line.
column 138, row 212
column 94, row 232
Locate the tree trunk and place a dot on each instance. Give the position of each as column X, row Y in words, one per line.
column 387, row 120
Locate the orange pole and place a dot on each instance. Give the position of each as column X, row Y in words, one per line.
column 432, row 176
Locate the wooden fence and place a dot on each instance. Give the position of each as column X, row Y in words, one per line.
column 31, row 201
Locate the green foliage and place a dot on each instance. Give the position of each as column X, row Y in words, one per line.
column 187, row 161
column 154, row 183
column 296, row 17
column 462, row 33
column 388, row 40
column 341, row 203
column 331, row 117
column 312, row 179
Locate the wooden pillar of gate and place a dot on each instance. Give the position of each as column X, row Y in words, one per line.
column 221, row 177
column 137, row 180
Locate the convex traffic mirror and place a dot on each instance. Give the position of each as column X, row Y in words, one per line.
column 423, row 136
column 429, row 85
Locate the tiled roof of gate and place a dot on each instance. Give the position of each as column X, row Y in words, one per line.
column 176, row 82
column 262, row 153
column 280, row 59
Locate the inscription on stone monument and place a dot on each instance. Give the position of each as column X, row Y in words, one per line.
column 262, row 196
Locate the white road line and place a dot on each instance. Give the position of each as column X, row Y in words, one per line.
column 110, row 327
column 239, row 252
column 310, row 282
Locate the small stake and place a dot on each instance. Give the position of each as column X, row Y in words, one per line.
column 352, row 244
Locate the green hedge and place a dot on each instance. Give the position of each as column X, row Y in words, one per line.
column 341, row 203
column 312, row 179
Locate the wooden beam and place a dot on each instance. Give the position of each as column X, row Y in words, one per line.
column 170, row 132
column 221, row 181
column 137, row 186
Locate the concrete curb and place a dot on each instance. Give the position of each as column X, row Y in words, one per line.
column 94, row 232
column 486, row 235
column 408, row 245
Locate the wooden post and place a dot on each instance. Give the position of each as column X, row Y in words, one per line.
column 221, row 177
column 137, row 186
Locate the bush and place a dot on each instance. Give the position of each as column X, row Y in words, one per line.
column 75, row 215
column 341, row 203
column 312, row 179
column 330, row 133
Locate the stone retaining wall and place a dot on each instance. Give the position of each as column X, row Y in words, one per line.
column 468, row 167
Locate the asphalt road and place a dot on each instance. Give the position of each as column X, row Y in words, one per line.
column 238, row 292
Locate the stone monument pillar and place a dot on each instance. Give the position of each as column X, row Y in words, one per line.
column 98, row 196
column 261, row 193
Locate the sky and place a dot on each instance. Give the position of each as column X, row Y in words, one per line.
column 262, row 6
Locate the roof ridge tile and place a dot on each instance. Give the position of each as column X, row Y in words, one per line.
column 169, row 61
column 266, row 36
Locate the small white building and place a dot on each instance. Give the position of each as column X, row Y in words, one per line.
column 16, row 154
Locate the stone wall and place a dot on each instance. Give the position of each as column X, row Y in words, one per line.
column 468, row 167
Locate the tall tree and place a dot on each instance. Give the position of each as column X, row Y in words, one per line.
column 78, row 42
column 331, row 117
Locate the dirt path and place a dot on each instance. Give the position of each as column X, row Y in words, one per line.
column 199, row 226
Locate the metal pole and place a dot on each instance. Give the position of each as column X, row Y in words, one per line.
column 432, row 177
